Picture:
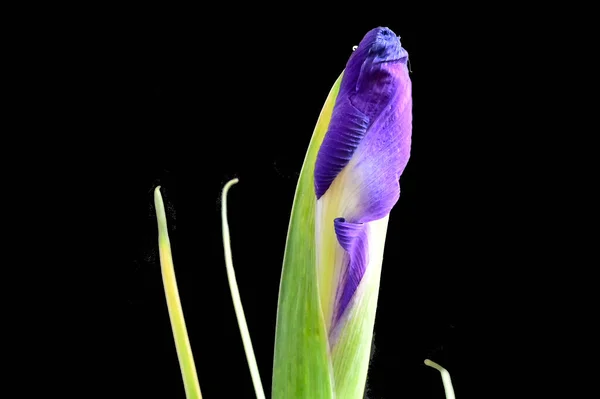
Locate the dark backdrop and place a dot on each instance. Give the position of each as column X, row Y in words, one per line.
column 190, row 101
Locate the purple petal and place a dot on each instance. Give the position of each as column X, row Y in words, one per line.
column 374, row 85
column 381, row 157
column 353, row 238
column 347, row 128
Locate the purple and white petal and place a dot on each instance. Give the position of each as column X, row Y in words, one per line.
column 364, row 151
column 352, row 237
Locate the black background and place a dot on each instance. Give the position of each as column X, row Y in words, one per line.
column 191, row 99
column 482, row 269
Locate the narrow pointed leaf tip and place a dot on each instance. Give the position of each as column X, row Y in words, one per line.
column 182, row 342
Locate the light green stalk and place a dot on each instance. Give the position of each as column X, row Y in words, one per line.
column 448, row 389
column 182, row 342
column 235, row 296
column 302, row 364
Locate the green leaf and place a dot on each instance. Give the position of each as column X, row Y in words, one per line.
column 182, row 342
column 302, row 365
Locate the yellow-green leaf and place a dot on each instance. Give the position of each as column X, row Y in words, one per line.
column 302, row 365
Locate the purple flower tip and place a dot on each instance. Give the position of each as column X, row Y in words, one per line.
column 374, row 88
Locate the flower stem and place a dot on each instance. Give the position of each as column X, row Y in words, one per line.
column 182, row 342
column 235, row 296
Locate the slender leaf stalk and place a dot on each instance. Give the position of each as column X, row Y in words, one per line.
column 445, row 378
column 235, row 296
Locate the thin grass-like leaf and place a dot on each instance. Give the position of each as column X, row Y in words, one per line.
column 182, row 342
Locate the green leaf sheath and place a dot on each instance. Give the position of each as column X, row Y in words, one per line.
column 302, row 365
